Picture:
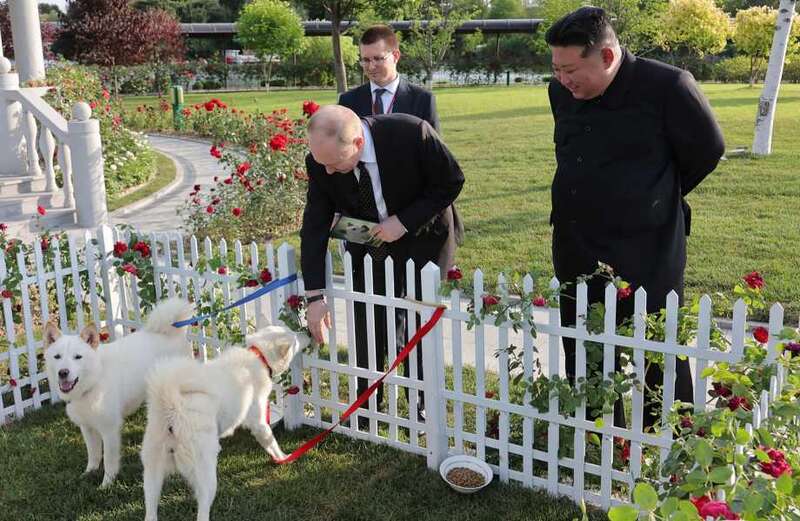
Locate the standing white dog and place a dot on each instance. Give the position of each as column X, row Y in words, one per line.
column 190, row 406
column 103, row 385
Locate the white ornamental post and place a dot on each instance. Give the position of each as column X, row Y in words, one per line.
column 27, row 36
column 12, row 144
column 87, row 167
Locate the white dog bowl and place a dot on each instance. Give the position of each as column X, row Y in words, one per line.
column 467, row 462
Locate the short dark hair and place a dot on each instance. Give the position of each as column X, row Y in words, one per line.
column 380, row 32
column 588, row 27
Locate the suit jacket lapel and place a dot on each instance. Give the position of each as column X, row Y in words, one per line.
column 365, row 99
column 401, row 98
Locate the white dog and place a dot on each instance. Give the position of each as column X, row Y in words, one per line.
column 102, row 385
column 190, row 406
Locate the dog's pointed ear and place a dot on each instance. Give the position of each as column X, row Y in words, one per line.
column 91, row 336
column 51, row 333
column 284, row 345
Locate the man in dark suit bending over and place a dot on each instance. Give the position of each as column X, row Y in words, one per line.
column 393, row 170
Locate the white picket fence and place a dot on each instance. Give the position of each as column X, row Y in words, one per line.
column 460, row 365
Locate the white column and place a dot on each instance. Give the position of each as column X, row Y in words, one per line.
column 27, row 35
column 12, row 145
column 87, row 167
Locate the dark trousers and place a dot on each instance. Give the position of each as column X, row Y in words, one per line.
column 573, row 257
column 381, row 326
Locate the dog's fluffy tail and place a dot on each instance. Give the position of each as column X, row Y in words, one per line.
column 166, row 313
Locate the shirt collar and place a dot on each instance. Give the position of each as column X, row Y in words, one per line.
column 368, row 151
column 391, row 88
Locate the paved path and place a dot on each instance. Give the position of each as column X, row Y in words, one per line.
column 159, row 213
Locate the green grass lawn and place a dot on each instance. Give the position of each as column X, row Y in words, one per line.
column 343, row 479
column 745, row 215
column 165, row 174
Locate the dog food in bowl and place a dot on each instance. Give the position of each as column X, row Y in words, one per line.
column 464, row 477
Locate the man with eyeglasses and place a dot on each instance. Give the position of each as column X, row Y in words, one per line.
column 387, row 92
column 633, row 137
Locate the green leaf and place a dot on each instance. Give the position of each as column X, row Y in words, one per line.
column 599, row 423
column 669, row 506
column 688, row 508
column 679, row 516
column 645, row 496
column 720, row 474
column 708, row 371
column 753, row 502
column 703, row 453
column 717, row 429
column 623, row 513
column 742, row 436
column 785, row 484
column 762, row 456
column 594, row 439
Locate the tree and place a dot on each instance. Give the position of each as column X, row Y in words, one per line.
column 693, row 28
column 753, row 34
column 312, row 65
column 430, row 42
column 501, row 9
column 112, row 33
column 635, row 22
column 270, row 28
column 765, row 117
column 192, row 11
column 49, row 12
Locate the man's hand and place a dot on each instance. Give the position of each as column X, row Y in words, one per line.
column 317, row 314
column 389, row 230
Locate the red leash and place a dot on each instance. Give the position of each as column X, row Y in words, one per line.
column 363, row 397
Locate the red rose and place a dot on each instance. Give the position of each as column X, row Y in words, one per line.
column 490, row 300
column 309, row 108
column 106, row 94
column 45, row 243
column 236, row 212
column 721, row 390
column 12, row 382
column 142, row 248
column 251, row 283
column 293, row 390
column 187, row 112
column 93, row 105
column 539, row 301
column 130, row 268
column 243, row 168
column 103, row 336
column 624, row 292
column 454, row 274
column 699, row 502
column 737, row 402
column 41, row 210
column 222, row 270
column 215, row 201
column 3, row 227
column 777, row 466
column 209, row 106
column 228, row 180
column 265, row 276
column 626, row 452
column 294, row 302
column 717, row 509
column 278, row 142
column 6, row 293
column 754, row 280
column 489, row 394
column 215, row 152
column 196, row 188
column 761, row 335
column 209, row 209
column 686, row 422
column 120, row 248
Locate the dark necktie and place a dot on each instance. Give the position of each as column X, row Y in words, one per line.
column 369, row 209
column 377, row 106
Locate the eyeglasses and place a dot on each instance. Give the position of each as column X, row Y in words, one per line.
column 365, row 62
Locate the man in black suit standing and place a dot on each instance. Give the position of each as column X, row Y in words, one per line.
column 387, row 92
column 390, row 169
column 633, row 136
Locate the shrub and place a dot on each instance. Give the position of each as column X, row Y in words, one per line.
column 732, row 70
column 128, row 159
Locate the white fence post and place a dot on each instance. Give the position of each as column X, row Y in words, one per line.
column 292, row 405
column 87, row 167
column 433, row 373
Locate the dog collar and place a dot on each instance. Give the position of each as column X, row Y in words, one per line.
column 261, row 357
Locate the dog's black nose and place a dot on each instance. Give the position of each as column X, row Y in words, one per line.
column 63, row 373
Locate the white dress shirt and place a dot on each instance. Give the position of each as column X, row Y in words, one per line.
column 388, row 95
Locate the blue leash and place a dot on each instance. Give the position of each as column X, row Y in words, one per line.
column 263, row 290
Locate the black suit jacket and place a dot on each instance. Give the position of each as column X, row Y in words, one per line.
column 420, row 179
column 409, row 99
